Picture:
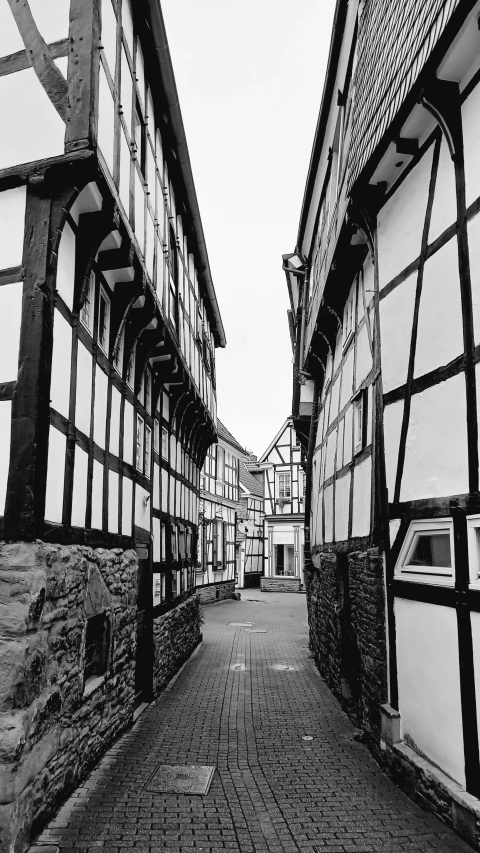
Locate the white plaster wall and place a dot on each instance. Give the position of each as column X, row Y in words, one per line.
column 342, row 501
column 364, row 357
column 61, row 365
column 471, row 133
column 97, row 496
column 392, row 425
column 347, row 380
column 335, row 394
column 12, row 226
column 142, row 509
column 66, row 266
column 330, row 454
column 394, row 527
column 348, row 436
column 79, row 495
column 400, row 222
column 20, row 145
column 429, row 684
column 113, row 501
column 444, row 209
column 396, row 316
column 157, row 541
column 362, row 486
column 156, row 486
column 436, row 452
column 128, row 433
column 341, row 430
column 164, row 490
column 100, row 407
column 5, row 433
column 474, row 251
column 328, row 504
column 440, row 332
column 50, row 17
column 83, row 405
column 114, row 442
column 109, row 35
column 105, row 120
column 57, row 444
column 10, row 322
column 127, row 497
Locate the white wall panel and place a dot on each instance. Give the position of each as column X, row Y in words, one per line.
column 66, row 266
column 328, row 504
column 335, row 394
column 100, row 407
column 436, row 454
column 127, row 498
column 97, row 496
column 396, row 317
column 128, row 433
column 79, row 496
column 113, row 502
column 440, row 331
column 156, row 540
column 109, row 35
column 20, row 145
column 51, row 18
column 57, row 444
column 156, row 486
column 348, row 436
column 364, row 357
column 347, row 380
column 10, row 38
column 362, row 479
column 61, row 365
column 471, row 133
column 392, row 425
column 342, row 501
column 429, row 683
column 474, row 251
column 83, row 405
column 10, row 322
column 5, row 433
column 12, row 226
column 164, row 490
column 105, row 120
column 142, row 508
column 330, row 454
column 400, row 222
column 114, row 443
column 444, row 210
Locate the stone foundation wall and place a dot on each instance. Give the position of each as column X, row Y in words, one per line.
column 175, row 636
column 216, row 592
column 53, row 727
column 280, row 584
column 346, row 615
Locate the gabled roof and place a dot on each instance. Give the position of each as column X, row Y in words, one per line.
column 275, row 440
column 250, row 482
column 227, row 436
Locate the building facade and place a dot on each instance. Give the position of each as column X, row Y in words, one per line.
column 384, row 286
column 108, row 327
column 284, row 495
column 250, row 535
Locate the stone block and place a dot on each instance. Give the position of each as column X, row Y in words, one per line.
column 390, row 724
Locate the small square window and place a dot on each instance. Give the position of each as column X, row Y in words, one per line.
column 103, row 320
column 86, row 311
column 426, row 555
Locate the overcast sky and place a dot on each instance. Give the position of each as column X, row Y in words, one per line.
column 250, row 76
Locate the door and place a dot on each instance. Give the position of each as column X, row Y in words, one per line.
column 144, row 651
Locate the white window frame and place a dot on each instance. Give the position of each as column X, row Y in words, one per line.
column 473, row 538
column 103, row 295
column 438, row 575
column 349, row 320
column 130, row 369
column 117, row 357
column 165, row 443
column 148, row 450
column 156, row 437
column 359, row 423
column 139, row 444
column 87, row 322
column 280, row 474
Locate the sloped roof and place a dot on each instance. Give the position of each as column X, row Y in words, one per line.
column 249, row 481
column 275, row 440
column 227, row 436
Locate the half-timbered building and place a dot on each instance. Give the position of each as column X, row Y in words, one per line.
column 283, row 524
column 108, row 328
column 250, row 536
column 216, row 572
column 385, row 287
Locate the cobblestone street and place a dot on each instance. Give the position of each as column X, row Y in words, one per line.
column 244, row 702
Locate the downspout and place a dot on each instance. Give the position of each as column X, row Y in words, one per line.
column 308, row 472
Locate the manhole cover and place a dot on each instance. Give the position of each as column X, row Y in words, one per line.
column 185, row 779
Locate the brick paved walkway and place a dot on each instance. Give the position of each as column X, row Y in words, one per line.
column 272, row 791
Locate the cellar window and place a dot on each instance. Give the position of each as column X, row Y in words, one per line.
column 97, row 642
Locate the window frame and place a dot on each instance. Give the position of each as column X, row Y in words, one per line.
column 278, row 475
column 90, row 300
column 360, row 414
column 147, row 441
column 102, row 295
column 473, row 525
column 436, row 575
column 140, row 444
column 130, row 368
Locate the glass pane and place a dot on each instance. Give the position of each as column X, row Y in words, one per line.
column 431, row 549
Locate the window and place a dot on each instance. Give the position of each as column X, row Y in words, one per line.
column 103, row 320
column 140, row 439
column 97, row 641
column 283, row 485
column 148, row 392
column 218, row 544
column 156, row 437
column 220, row 463
column 140, row 138
column 284, row 556
column 148, row 450
column 118, row 351
column 473, row 533
column 302, row 485
column 359, row 422
column 86, row 311
column 348, row 320
column 426, row 555
column 130, row 371
column 164, row 443
column 173, row 277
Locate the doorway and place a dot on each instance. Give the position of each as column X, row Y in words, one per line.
column 144, row 650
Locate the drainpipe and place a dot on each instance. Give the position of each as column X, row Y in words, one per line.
column 308, row 472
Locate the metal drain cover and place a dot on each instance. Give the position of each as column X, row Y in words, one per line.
column 181, row 779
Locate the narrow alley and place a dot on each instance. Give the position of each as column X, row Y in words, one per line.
column 288, row 774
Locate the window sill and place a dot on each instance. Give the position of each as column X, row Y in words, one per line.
column 92, row 684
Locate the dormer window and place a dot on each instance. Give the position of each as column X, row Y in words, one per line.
column 103, row 320
column 86, row 311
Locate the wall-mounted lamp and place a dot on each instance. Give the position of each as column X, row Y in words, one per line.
column 294, row 263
